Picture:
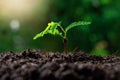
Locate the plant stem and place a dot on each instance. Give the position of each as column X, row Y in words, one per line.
column 62, row 28
column 65, row 39
column 65, row 45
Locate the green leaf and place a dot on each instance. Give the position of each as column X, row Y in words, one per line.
column 55, row 32
column 50, row 29
column 41, row 34
column 53, row 26
column 79, row 23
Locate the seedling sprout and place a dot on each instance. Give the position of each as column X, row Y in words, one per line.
column 55, row 28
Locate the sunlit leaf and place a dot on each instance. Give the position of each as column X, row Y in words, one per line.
column 50, row 29
column 53, row 26
column 79, row 23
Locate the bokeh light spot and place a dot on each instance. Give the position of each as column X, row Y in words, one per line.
column 15, row 25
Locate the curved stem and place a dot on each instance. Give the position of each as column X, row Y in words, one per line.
column 61, row 28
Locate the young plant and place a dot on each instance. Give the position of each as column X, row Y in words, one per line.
column 54, row 28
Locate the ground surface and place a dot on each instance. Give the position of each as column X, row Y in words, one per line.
column 37, row 65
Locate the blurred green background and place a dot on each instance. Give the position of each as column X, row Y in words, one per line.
column 21, row 20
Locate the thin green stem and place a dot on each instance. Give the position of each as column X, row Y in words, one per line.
column 65, row 36
column 63, row 30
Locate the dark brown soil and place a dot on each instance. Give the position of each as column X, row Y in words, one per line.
column 37, row 65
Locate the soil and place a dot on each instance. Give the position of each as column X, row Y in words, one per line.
column 38, row 65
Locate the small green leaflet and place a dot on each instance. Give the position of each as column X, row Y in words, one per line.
column 79, row 23
column 50, row 29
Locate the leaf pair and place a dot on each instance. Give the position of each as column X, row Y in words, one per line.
column 52, row 28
